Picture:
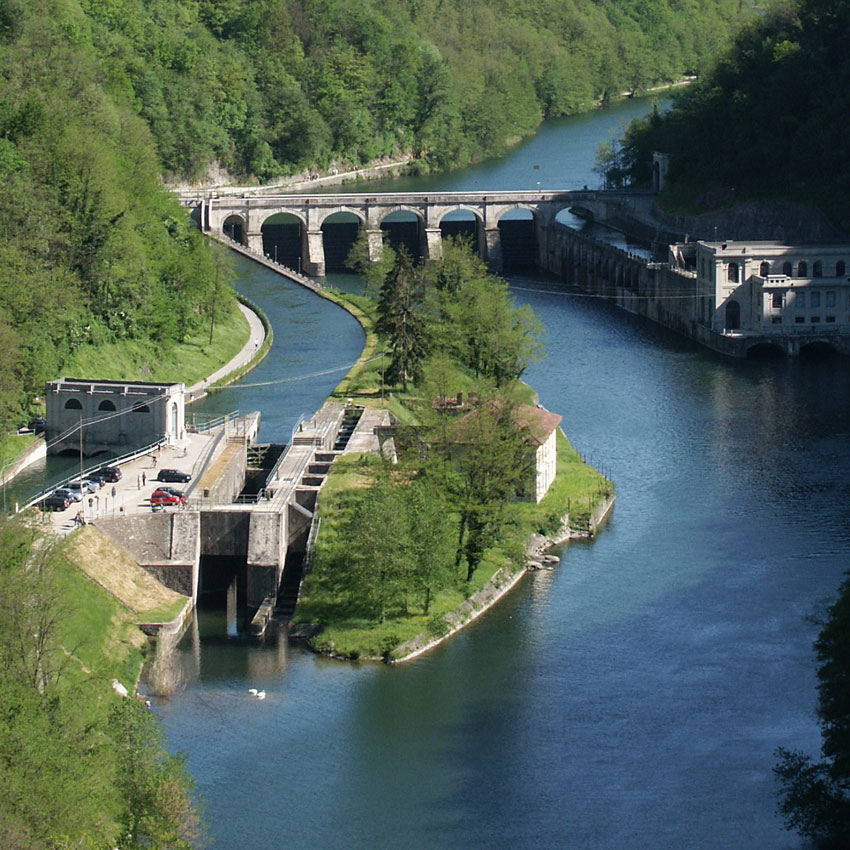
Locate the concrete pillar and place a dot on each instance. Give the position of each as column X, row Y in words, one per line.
column 314, row 262
column 494, row 248
column 433, row 243
column 376, row 244
column 255, row 241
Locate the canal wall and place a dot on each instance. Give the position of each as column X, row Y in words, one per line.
column 652, row 290
column 36, row 451
column 167, row 545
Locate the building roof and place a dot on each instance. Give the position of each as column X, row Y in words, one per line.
column 539, row 422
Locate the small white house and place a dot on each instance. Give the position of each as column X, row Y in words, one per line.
column 542, row 426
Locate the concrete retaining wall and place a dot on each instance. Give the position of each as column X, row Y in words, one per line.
column 34, row 452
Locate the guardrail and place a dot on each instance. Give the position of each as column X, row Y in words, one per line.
column 87, row 470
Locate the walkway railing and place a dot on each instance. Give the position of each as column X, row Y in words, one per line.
column 268, row 261
column 115, row 461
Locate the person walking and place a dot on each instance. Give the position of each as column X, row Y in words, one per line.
column 138, row 482
column 144, row 480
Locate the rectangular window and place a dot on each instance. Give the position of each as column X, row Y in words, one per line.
column 776, row 320
column 815, row 301
column 830, row 318
column 799, row 319
column 777, row 300
column 815, row 320
column 800, row 300
column 830, row 298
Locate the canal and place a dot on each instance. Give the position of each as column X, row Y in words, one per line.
column 635, row 696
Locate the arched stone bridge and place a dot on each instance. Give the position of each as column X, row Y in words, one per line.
column 319, row 229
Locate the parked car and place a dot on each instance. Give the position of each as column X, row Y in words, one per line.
column 110, row 474
column 95, row 480
column 55, row 503
column 83, row 487
column 163, row 497
column 73, row 495
column 173, row 475
column 175, row 491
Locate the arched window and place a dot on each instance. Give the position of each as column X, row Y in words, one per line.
column 840, row 269
column 802, row 269
column 787, row 270
column 73, row 404
column 106, row 404
column 817, row 269
column 733, row 316
column 764, row 269
column 732, row 273
column 142, row 408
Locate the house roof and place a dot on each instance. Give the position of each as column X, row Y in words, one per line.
column 539, row 422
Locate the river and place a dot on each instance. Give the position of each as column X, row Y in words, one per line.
column 632, row 698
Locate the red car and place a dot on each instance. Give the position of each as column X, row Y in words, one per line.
column 167, row 497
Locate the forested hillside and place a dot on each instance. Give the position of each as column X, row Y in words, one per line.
column 769, row 121
column 102, row 98
column 270, row 86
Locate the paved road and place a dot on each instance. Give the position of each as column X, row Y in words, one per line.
column 255, row 341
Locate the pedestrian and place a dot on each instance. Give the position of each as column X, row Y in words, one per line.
column 256, row 344
column 144, row 480
column 139, row 482
column 113, row 491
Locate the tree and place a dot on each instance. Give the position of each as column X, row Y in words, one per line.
column 491, row 462
column 815, row 795
column 401, row 322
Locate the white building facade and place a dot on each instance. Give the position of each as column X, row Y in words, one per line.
column 101, row 416
column 771, row 288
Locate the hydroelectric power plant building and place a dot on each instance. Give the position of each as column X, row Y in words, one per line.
column 102, row 416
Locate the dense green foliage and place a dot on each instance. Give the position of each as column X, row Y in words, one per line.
column 815, row 796
column 79, row 766
column 94, row 249
column 767, row 121
column 273, row 86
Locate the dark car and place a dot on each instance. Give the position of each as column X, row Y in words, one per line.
column 110, row 474
column 65, row 493
column 173, row 475
column 164, row 497
column 175, row 491
column 95, row 480
column 55, row 503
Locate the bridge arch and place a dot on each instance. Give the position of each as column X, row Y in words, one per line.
column 765, row 351
column 818, row 349
column 233, row 227
column 340, row 229
column 404, row 225
column 283, row 238
column 464, row 222
column 519, row 225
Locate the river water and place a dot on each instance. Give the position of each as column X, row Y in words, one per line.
column 632, row 698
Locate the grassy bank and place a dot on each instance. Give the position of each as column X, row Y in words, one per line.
column 106, row 595
column 349, row 630
column 189, row 361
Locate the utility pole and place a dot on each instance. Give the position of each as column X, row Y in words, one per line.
column 81, row 454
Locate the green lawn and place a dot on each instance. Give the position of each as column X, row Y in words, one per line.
column 13, row 445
